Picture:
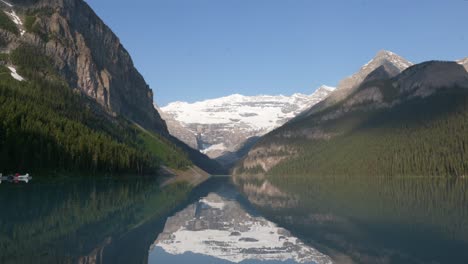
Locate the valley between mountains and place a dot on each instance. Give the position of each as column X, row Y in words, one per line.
column 390, row 118
column 72, row 100
column 94, row 171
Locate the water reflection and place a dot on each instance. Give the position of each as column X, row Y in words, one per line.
column 295, row 221
column 90, row 221
column 219, row 229
column 370, row 220
column 83, row 221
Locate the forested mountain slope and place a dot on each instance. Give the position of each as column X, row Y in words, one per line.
column 71, row 99
column 415, row 123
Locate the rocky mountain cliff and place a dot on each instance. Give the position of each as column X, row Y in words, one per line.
column 222, row 126
column 388, row 62
column 86, row 53
column 64, row 42
column 410, row 123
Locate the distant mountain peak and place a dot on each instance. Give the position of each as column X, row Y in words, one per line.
column 385, row 53
column 326, row 88
column 385, row 64
column 394, row 63
column 387, row 57
column 224, row 124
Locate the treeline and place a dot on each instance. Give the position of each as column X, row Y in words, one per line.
column 44, row 125
column 423, row 137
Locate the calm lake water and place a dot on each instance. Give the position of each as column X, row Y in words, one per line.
column 269, row 221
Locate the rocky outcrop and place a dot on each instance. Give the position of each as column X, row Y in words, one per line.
column 387, row 64
column 89, row 56
column 391, row 61
column 427, row 78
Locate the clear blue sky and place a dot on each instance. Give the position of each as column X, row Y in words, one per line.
column 189, row 50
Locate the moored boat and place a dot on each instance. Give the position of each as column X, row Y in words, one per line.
column 15, row 178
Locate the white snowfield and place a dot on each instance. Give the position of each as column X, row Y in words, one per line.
column 258, row 113
column 14, row 74
column 223, row 125
column 217, row 147
column 221, row 228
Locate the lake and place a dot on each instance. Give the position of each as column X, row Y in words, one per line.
column 259, row 220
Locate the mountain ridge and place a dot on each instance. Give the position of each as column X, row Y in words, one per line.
column 413, row 103
column 393, row 63
column 220, row 126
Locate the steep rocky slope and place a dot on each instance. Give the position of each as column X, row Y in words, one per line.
column 387, row 61
column 412, row 123
column 86, row 53
column 65, row 43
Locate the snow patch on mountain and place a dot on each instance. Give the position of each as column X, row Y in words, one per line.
column 217, row 147
column 224, row 124
column 257, row 112
column 14, row 74
column 12, row 14
column 328, row 88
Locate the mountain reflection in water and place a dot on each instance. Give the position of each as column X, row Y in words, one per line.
column 219, row 227
column 132, row 220
column 369, row 220
column 339, row 220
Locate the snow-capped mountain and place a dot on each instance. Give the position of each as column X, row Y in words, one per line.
column 222, row 229
column 222, row 125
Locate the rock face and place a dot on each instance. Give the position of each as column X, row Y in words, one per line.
column 220, row 227
column 88, row 55
column 389, row 64
column 391, row 61
column 223, row 126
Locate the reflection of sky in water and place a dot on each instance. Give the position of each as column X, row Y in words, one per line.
column 158, row 256
column 217, row 229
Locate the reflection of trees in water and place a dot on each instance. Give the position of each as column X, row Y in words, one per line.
column 66, row 221
column 378, row 219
